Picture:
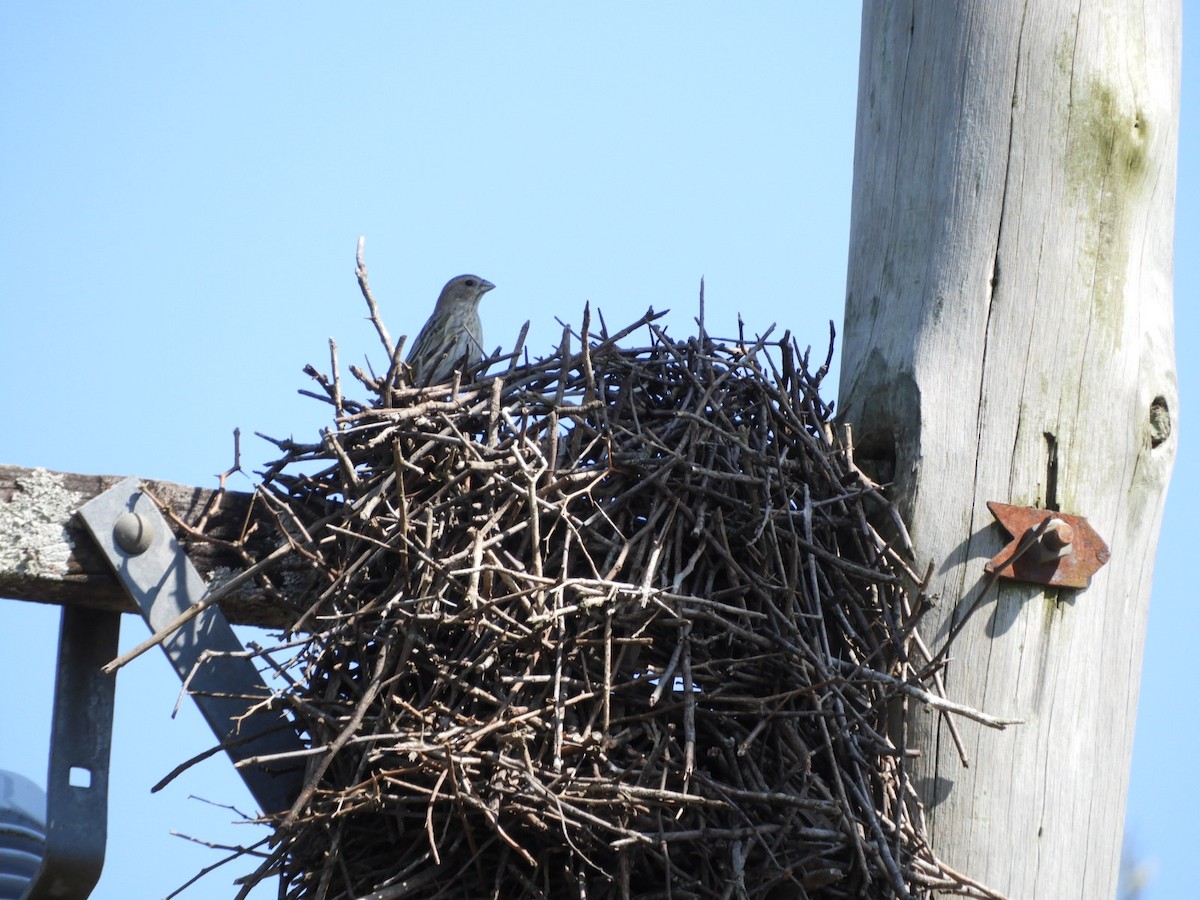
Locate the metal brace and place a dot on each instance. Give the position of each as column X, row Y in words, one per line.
column 155, row 571
column 1047, row 547
column 80, row 741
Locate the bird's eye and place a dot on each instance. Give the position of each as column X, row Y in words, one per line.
column 470, row 282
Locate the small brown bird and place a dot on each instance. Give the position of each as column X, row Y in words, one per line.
column 453, row 337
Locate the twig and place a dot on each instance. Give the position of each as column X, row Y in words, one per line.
column 360, row 272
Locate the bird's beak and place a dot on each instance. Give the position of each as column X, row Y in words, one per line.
column 485, row 285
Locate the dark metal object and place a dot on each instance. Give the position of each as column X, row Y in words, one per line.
column 80, row 741
column 152, row 566
column 1067, row 552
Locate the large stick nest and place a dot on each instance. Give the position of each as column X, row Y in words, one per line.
column 614, row 623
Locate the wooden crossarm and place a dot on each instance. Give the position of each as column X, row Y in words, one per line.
column 48, row 557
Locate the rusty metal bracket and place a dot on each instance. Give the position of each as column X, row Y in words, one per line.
column 1047, row 547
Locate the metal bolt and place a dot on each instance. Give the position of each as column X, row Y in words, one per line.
column 1057, row 537
column 133, row 533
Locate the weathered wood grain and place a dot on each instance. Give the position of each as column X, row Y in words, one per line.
column 1008, row 336
column 47, row 556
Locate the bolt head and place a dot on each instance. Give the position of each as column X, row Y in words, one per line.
column 133, row 533
column 1058, row 535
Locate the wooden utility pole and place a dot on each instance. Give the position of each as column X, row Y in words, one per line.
column 1008, row 337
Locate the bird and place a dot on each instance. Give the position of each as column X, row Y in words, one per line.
column 453, row 337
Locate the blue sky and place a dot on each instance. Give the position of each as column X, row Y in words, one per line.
column 181, row 190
